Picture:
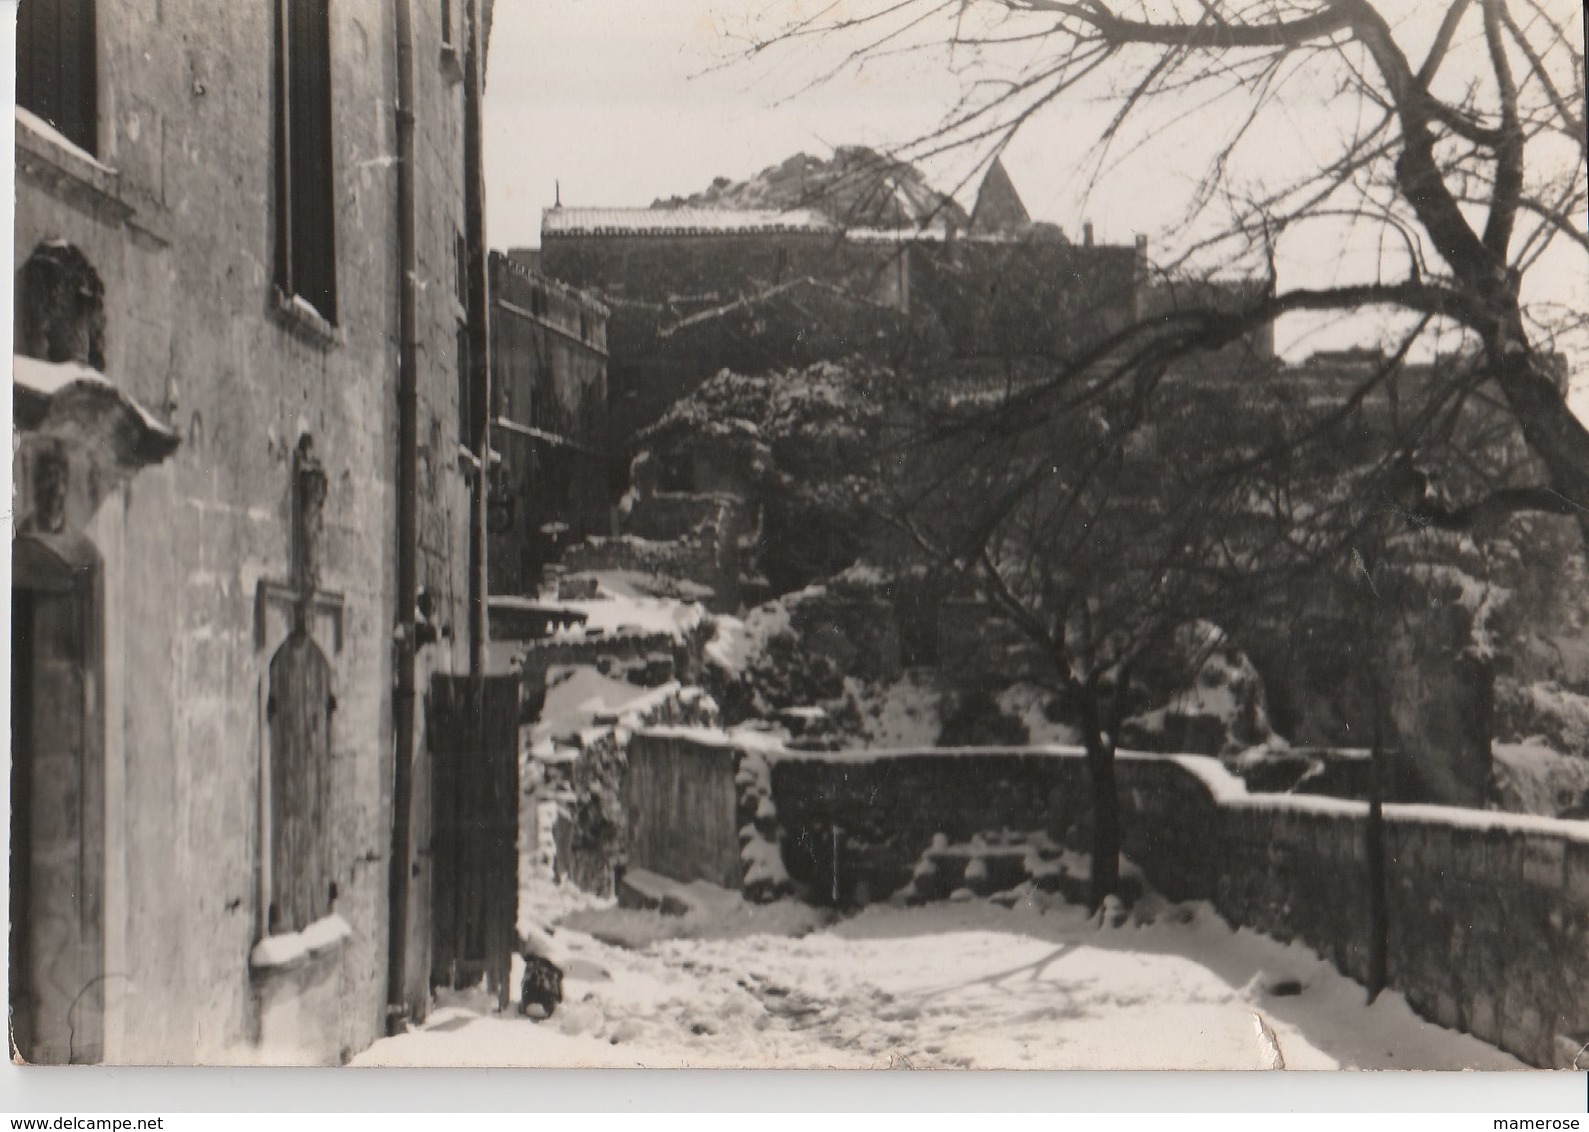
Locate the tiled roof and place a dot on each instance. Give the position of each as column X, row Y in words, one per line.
column 678, row 221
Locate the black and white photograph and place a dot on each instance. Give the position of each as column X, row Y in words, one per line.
column 800, row 534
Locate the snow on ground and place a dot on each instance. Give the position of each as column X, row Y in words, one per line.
column 577, row 694
column 736, row 642
column 639, row 583
column 970, row 984
column 714, row 913
column 621, row 609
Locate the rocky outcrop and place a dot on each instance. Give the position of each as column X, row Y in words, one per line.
column 857, row 188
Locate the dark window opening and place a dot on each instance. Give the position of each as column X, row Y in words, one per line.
column 446, row 23
column 460, row 252
column 305, row 195
column 57, row 67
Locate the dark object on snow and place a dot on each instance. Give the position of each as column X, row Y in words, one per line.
column 543, row 985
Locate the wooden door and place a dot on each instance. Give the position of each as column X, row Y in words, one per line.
column 475, row 795
column 299, row 711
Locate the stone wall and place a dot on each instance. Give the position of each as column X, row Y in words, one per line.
column 693, row 538
column 608, row 653
column 1489, row 913
column 671, row 515
column 964, row 297
column 549, row 382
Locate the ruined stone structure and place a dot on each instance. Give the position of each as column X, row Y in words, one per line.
column 549, row 418
column 688, row 538
column 207, row 336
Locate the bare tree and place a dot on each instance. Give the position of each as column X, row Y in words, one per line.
column 1463, row 152
column 1101, row 538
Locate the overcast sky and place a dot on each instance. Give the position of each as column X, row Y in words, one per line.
column 625, row 101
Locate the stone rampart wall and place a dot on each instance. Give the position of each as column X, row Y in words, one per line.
column 1488, row 913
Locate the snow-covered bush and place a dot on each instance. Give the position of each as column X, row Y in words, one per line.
column 799, row 445
column 764, row 879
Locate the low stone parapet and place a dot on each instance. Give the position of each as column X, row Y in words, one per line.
column 1488, row 912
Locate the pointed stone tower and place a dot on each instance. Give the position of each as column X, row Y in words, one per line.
column 999, row 207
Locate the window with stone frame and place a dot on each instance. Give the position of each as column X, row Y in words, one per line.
column 305, row 187
column 58, row 67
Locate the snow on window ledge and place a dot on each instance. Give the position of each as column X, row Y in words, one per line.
column 45, row 150
column 38, row 128
column 276, row 953
column 300, row 315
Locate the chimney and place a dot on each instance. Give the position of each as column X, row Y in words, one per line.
column 1086, row 233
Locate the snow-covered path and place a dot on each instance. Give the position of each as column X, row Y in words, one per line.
column 950, row 985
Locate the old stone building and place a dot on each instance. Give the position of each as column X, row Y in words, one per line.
column 549, row 415
column 211, row 349
column 813, row 260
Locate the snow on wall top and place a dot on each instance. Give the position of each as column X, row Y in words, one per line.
column 1225, row 788
column 735, row 221
column 679, row 221
column 619, row 615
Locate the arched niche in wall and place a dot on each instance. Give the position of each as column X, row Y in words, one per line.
column 299, row 710
column 61, row 393
column 299, row 627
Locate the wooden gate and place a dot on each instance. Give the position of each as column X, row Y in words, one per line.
column 475, row 817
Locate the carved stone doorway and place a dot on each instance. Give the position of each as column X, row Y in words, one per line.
column 57, row 802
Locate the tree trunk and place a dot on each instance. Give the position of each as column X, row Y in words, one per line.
column 1552, row 430
column 1105, row 878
